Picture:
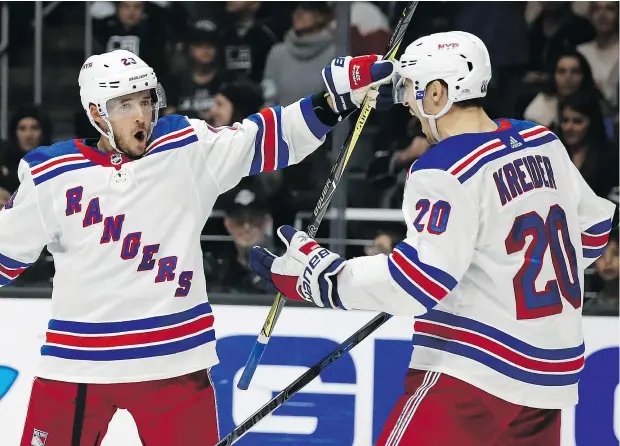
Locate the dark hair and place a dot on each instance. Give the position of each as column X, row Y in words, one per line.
column 586, row 104
column 245, row 96
column 34, row 112
column 587, row 83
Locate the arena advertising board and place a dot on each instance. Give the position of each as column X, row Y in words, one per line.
column 346, row 406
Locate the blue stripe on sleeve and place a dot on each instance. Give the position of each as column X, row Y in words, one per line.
column 467, row 351
column 60, row 170
column 257, row 161
column 136, row 324
column 506, row 339
column 440, row 276
column 318, row 129
column 129, row 353
column 283, row 153
column 593, row 253
column 4, row 280
column 599, row 228
column 12, row 264
column 409, row 287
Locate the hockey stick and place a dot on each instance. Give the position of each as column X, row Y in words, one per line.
column 304, row 379
column 323, row 203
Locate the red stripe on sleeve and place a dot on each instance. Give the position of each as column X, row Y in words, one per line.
column 418, row 278
column 269, row 144
column 12, row 273
column 594, row 240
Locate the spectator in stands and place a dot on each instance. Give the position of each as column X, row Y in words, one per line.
column 29, row 128
column 556, row 30
column 246, row 42
column 293, row 67
column 234, row 102
column 602, row 52
column 248, row 221
column 5, row 196
column 383, row 243
column 583, row 133
column 606, row 302
column 571, row 74
column 133, row 29
column 192, row 92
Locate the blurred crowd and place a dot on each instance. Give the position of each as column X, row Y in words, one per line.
column 554, row 63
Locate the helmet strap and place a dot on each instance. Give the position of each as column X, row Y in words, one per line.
column 432, row 119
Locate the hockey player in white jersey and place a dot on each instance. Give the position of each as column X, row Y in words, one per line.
column 501, row 226
column 122, row 216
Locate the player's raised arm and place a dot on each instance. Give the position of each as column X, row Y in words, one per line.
column 277, row 137
column 23, row 229
column 416, row 276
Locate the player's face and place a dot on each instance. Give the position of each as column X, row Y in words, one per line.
column 574, row 127
column 607, row 265
column 568, row 76
column 131, row 116
column 221, row 112
column 28, row 134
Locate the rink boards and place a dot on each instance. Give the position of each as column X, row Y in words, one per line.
column 349, row 403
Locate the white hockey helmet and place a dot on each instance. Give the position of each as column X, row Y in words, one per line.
column 105, row 77
column 458, row 58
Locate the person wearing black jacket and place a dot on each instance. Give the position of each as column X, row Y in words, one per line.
column 246, row 42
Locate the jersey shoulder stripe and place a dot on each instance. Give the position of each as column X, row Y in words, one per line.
column 171, row 132
column 464, row 155
column 48, row 162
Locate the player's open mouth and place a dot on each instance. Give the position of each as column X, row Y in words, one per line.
column 140, row 136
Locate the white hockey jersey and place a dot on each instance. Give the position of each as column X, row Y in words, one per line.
column 129, row 296
column 501, row 226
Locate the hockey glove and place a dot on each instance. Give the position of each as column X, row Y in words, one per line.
column 306, row 271
column 350, row 79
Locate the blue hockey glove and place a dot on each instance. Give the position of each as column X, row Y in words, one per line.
column 350, row 79
column 306, row 271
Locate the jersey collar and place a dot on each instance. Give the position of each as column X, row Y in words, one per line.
column 106, row 159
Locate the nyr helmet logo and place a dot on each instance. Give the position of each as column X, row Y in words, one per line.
column 419, row 94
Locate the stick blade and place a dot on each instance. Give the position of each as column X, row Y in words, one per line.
column 251, row 365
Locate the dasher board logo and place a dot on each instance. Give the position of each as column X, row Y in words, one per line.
column 38, row 438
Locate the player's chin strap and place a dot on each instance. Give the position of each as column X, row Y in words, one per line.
column 432, row 119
